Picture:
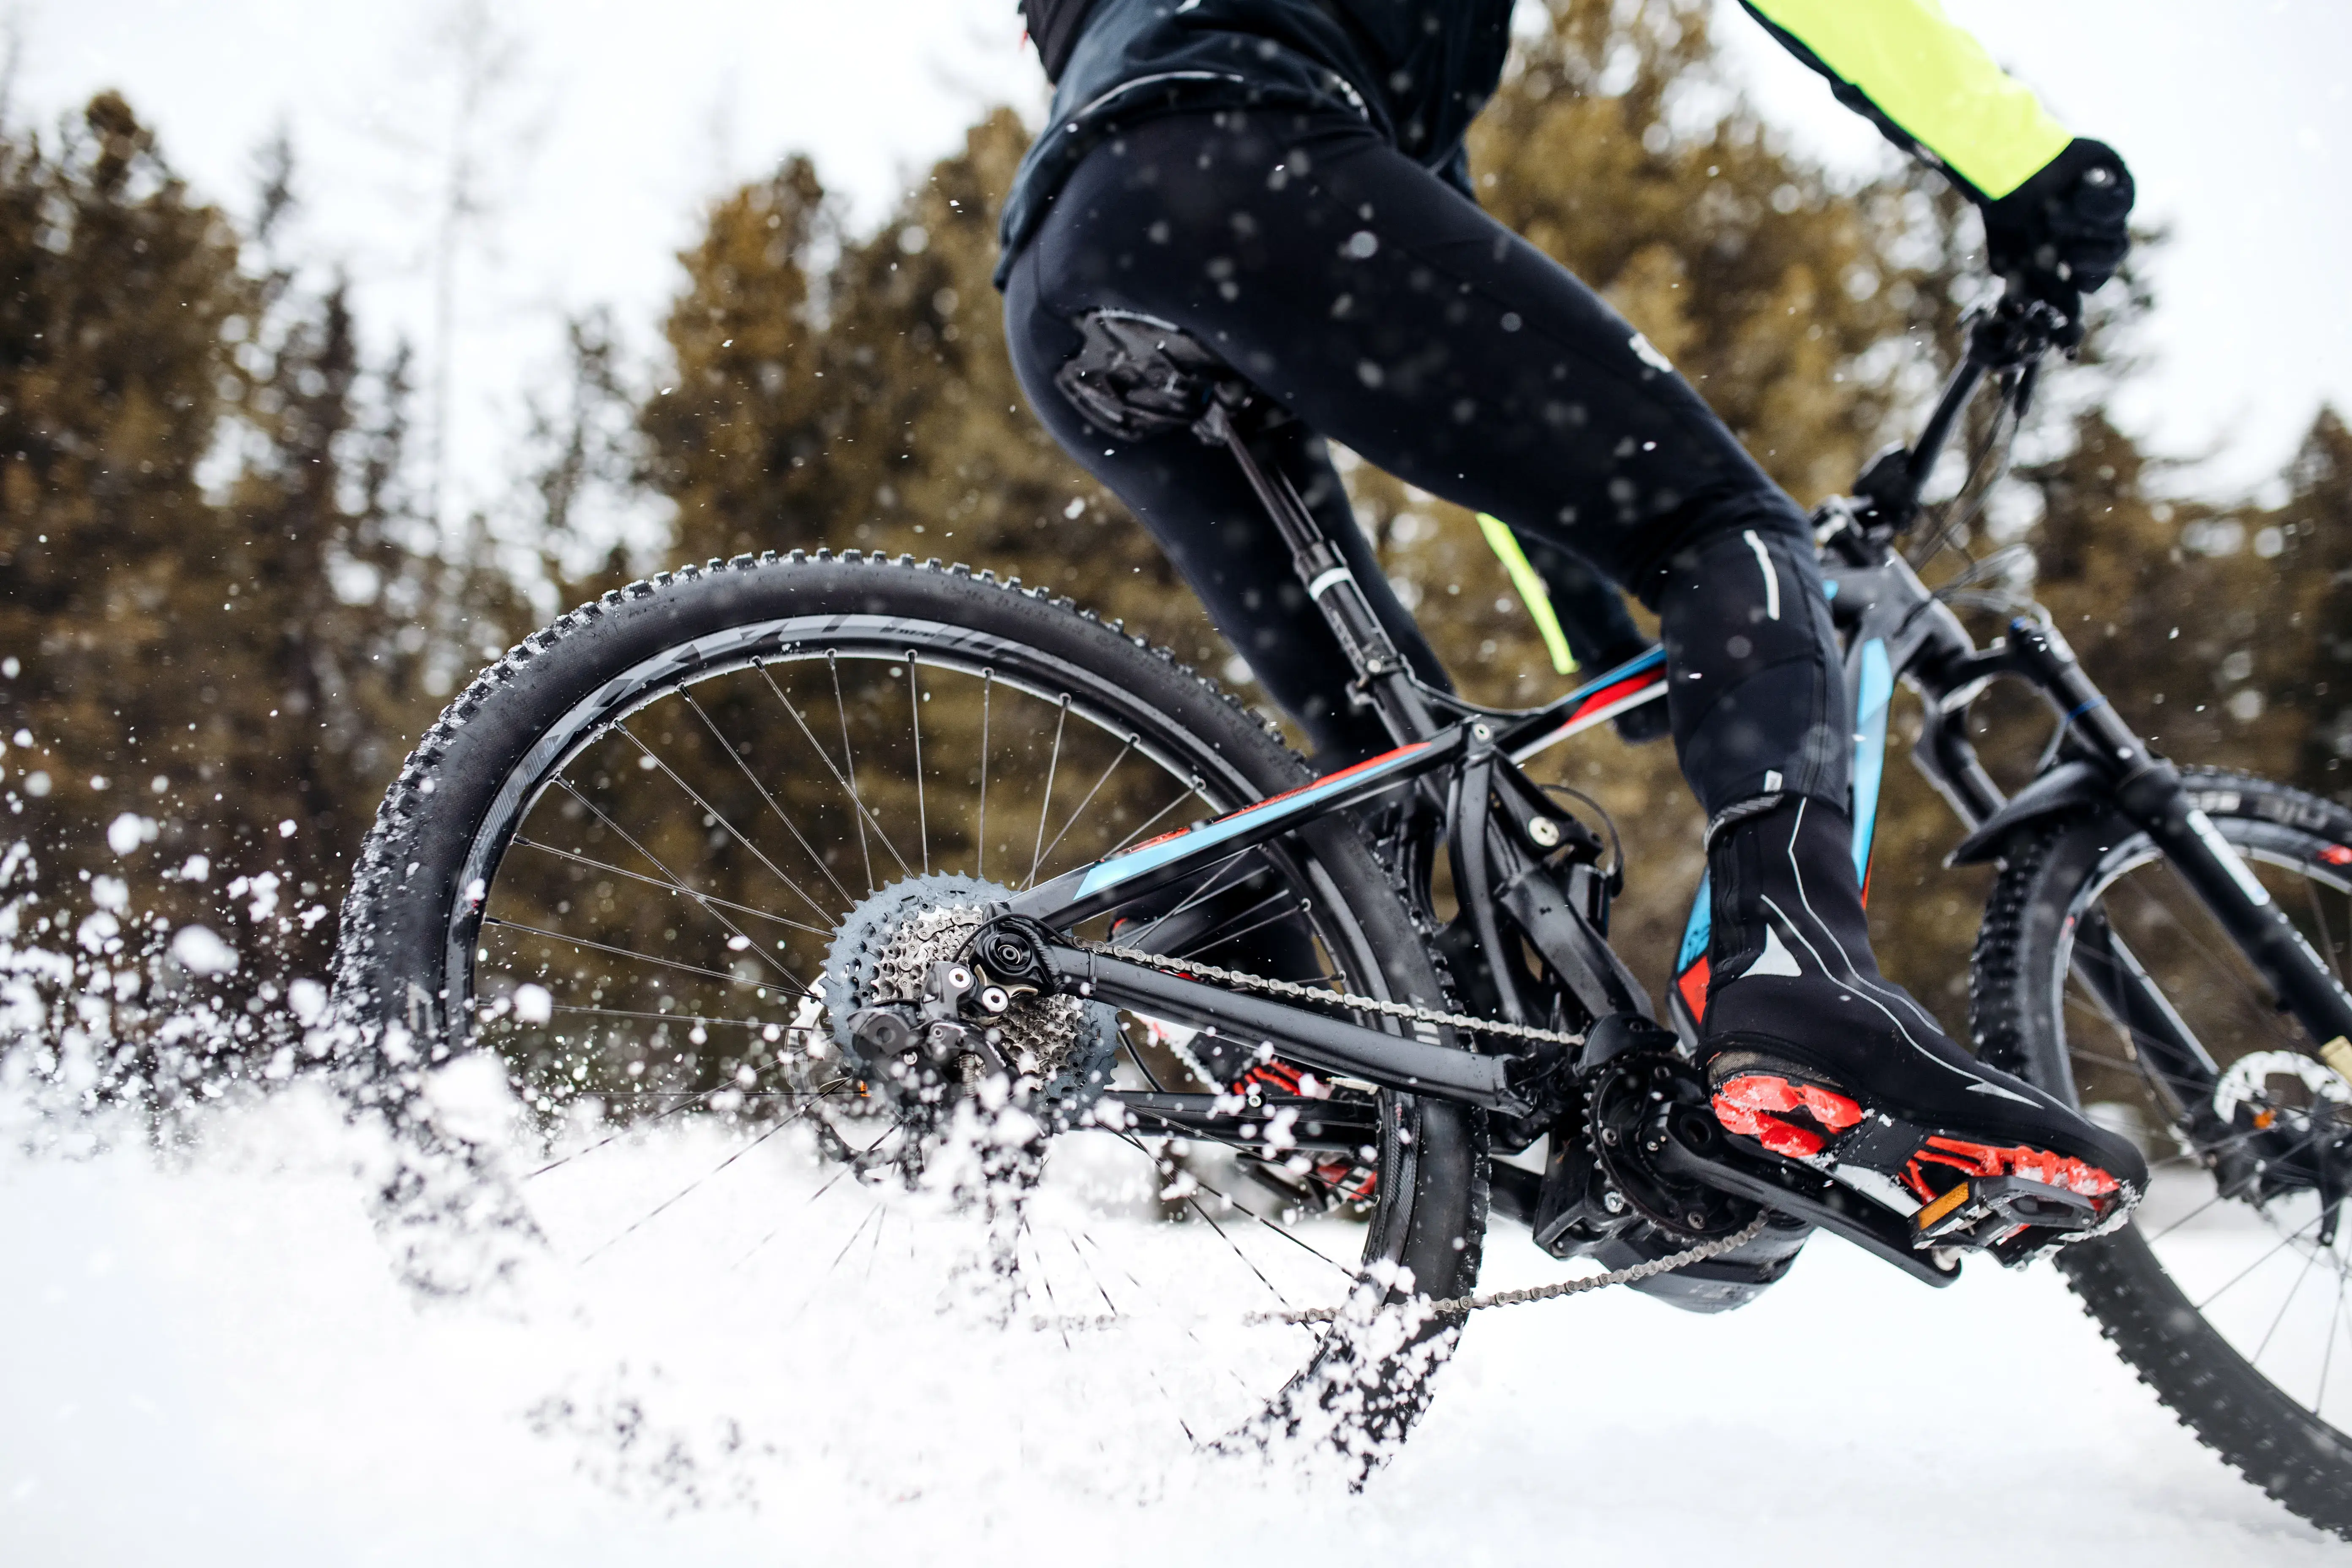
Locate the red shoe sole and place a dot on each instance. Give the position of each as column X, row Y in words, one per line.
column 1752, row 1105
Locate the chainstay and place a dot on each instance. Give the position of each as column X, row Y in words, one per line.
column 1459, row 1306
column 1242, row 981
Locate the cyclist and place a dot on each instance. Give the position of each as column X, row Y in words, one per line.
column 1283, row 181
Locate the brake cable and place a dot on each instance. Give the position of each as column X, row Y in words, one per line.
column 2017, row 394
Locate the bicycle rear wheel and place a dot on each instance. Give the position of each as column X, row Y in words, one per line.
column 641, row 858
column 2231, row 1290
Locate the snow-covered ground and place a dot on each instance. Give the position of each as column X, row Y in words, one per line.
column 207, row 1359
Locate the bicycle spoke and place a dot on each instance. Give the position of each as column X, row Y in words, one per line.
column 2233, row 1140
column 2284, row 1242
column 664, row 1205
column 1283, row 911
column 1144, row 1290
column 753, row 778
column 850, row 766
column 1079, row 810
column 863, row 818
column 1044, row 1283
column 622, row 1132
column 1235, row 1247
column 711, row 811
column 2327, row 1359
column 1046, row 803
column 733, row 929
column 1191, row 792
column 694, row 1097
column 987, row 690
column 595, row 865
column 674, row 881
column 2284, row 1302
column 1281, row 1231
column 2255, row 1006
column 667, row 1017
column 2121, row 1064
column 732, row 979
column 845, row 1245
column 1209, row 888
column 915, row 727
column 846, row 1167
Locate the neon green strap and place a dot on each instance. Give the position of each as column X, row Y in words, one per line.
column 1532, row 593
column 1932, row 80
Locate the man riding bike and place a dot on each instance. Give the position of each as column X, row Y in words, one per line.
column 1283, row 182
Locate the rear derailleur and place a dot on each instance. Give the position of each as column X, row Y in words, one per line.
column 922, row 1054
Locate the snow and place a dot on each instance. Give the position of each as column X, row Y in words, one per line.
column 202, row 949
column 211, row 1362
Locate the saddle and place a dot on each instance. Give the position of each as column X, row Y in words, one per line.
column 1136, row 376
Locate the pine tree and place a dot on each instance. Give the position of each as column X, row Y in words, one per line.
column 2313, row 566
column 203, row 684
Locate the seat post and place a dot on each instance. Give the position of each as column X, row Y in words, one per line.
column 1381, row 672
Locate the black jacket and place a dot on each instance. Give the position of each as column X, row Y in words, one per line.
column 1417, row 71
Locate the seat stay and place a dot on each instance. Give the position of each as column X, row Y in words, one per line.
column 1156, row 863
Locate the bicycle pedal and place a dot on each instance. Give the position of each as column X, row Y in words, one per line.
column 1990, row 1212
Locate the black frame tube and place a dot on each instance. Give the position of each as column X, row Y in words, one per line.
column 1327, row 1044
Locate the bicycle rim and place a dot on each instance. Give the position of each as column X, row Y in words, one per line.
column 658, row 884
column 2270, row 1269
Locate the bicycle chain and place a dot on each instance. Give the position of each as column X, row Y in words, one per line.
column 1240, row 981
column 1455, row 1305
column 1461, row 1306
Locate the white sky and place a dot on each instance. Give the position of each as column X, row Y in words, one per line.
column 626, row 118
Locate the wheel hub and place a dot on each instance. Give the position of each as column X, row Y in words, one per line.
column 885, row 947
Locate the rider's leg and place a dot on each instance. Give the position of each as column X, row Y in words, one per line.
column 1591, row 609
column 1389, row 313
column 1394, row 315
column 1199, row 508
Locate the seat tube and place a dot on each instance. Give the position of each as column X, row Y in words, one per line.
column 1381, row 672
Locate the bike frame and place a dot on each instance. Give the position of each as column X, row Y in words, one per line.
column 1527, row 871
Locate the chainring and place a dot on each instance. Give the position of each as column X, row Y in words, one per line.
column 1630, row 1100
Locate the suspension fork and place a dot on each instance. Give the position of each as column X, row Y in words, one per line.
column 2179, row 1068
column 2149, row 792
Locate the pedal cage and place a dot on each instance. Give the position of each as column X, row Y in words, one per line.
column 1994, row 1212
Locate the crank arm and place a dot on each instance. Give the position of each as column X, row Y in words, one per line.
column 1693, row 1148
column 1329, row 1044
column 1317, row 1126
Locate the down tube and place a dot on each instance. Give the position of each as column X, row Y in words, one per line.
column 1873, row 692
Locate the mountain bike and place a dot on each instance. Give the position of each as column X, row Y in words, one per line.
column 869, row 859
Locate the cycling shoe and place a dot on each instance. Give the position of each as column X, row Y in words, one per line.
column 1812, row 1055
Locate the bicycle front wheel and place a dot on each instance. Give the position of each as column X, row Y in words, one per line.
column 645, row 859
column 2231, row 1290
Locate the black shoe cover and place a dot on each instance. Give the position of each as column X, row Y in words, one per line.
column 1813, row 1055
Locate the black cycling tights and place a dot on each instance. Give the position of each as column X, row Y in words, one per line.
column 1390, row 313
